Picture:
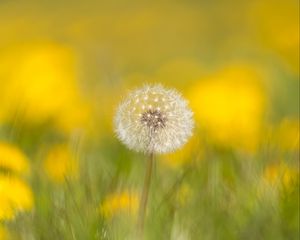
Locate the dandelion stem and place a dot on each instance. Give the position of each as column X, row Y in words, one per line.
column 145, row 193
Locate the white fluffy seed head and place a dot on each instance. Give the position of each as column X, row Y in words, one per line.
column 154, row 120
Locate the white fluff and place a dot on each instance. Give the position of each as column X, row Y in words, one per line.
column 154, row 119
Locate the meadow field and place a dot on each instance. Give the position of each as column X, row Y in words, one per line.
column 65, row 67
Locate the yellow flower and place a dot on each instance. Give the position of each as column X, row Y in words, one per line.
column 229, row 107
column 12, row 159
column 117, row 203
column 60, row 164
column 15, row 196
column 42, row 84
column 287, row 134
column 44, row 80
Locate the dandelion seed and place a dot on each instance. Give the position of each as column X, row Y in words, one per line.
column 162, row 129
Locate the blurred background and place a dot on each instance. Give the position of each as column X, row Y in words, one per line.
column 64, row 67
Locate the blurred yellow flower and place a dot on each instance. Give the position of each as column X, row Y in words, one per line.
column 229, row 106
column 277, row 174
column 116, row 203
column 13, row 159
column 44, row 80
column 60, row 164
column 287, row 134
column 43, row 85
column 15, row 196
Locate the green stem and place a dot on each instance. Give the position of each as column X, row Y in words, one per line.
column 144, row 198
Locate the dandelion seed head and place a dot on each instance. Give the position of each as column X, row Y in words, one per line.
column 162, row 121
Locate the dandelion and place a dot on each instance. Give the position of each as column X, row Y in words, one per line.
column 153, row 120
column 34, row 73
column 13, row 159
column 230, row 105
column 60, row 163
column 116, row 203
column 287, row 134
column 15, row 197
